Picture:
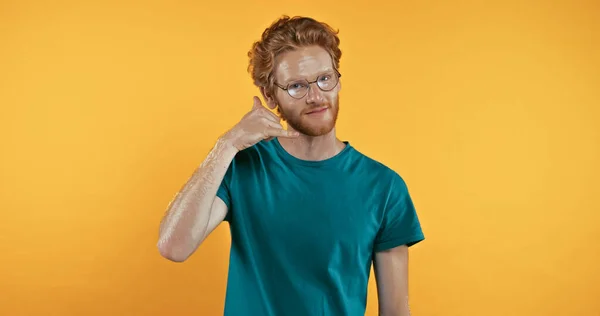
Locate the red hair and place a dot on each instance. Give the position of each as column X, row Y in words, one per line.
column 287, row 34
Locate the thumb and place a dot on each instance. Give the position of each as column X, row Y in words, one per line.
column 257, row 104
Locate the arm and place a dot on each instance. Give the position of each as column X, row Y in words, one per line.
column 195, row 211
column 391, row 275
column 400, row 229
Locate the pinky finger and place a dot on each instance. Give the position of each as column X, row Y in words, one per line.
column 277, row 132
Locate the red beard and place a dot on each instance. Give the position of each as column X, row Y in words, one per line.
column 312, row 127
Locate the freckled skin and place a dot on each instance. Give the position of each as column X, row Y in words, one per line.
column 306, row 63
column 186, row 223
column 195, row 211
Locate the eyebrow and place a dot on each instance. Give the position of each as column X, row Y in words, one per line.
column 327, row 70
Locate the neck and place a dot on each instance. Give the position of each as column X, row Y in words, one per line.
column 313, row 148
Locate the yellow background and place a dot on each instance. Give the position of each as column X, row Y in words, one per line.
column 489, row 110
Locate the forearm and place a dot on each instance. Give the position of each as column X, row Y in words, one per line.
column 391, row 273
column 399, row 307
column 399, row 310
column 186, row 220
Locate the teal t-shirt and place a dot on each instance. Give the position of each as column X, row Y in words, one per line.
column 303, row 233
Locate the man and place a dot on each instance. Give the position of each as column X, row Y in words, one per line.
column 308, row 213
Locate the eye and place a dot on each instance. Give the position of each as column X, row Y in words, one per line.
column 325, row 78
column 296, row 85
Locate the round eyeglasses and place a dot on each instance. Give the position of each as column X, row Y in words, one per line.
column 297, row 89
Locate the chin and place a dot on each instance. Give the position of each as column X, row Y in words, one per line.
column 313, row 130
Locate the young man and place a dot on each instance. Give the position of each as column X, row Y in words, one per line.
column 308, row 213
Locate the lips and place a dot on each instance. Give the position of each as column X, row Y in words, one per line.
column 318, row 110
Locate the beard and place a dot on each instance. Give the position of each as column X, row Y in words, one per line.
column 306, row 126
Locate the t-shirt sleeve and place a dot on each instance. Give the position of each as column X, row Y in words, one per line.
column 224, row 192
column 400, row 224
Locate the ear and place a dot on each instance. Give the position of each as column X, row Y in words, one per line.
column 269, row 98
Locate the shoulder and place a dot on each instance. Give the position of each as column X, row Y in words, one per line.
column 253, row 155
column 378, row 169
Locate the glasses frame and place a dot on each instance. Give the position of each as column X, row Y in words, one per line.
column 286, row 88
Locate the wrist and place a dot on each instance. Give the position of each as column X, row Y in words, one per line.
column 226, row 144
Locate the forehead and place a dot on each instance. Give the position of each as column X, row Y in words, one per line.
column 302, row 63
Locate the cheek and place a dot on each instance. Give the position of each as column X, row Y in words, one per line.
column 284, row 102
column 332, row 98
column 291, row 107
column 289, row 111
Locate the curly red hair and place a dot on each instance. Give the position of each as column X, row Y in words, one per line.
column 285, row 34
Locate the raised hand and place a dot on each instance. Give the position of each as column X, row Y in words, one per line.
column 258, row 124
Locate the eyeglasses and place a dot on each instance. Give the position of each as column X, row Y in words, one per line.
column 299, row 88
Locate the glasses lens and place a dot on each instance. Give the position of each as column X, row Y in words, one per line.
column 327, row 81
column 298, row 89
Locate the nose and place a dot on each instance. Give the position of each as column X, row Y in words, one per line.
column 314, row 94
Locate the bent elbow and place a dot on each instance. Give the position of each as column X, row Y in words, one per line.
column 172, row 253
